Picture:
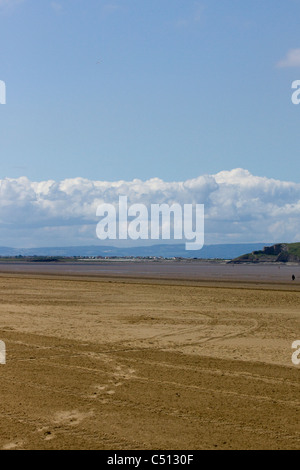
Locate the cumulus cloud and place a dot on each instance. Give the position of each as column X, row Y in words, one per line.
column 239, row 207
column 291, row 60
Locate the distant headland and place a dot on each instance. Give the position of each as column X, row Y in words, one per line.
column 280, row 253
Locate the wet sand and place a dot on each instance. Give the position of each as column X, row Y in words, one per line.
column 176, row 270
column 113, row 362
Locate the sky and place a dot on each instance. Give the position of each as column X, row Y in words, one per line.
column 158, row 94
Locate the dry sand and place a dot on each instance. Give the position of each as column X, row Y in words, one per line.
column 95, row 363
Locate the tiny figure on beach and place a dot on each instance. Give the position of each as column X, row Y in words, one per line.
column 293, row 277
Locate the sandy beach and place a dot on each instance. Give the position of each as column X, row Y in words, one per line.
column 116, row 362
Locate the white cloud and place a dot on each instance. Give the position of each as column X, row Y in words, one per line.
column 240, row 207
column 291, row 60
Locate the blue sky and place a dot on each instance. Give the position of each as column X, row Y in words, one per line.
column 160, row 100
column 184, row 88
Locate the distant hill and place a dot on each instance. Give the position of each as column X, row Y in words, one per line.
column 227, row 252
column 281, row 253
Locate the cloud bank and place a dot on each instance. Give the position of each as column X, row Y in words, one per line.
column 239, row 206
